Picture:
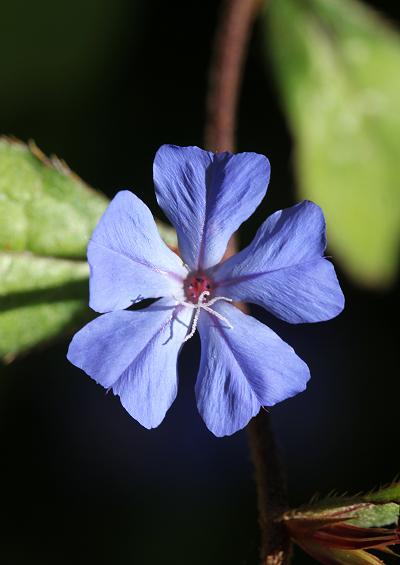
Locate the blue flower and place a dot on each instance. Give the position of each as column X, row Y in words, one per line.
column 244, row 365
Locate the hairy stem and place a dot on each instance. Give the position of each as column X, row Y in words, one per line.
column 237, row 17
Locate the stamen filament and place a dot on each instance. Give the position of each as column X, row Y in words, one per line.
column 219, row 316
column 194, row 325
column 206, row 306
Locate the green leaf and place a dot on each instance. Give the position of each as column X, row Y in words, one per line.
column 40, row 298
column 389, row 493
column 44, row 207
column 378, row 508
column 376, row 516
column 337, row 65
column 47, row 215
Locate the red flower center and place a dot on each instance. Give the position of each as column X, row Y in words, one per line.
column 195, row 284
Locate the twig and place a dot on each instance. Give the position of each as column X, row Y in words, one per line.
column 231, row 40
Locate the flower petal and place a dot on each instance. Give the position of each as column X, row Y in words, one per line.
column 135, row 353
column 242, row 369
column 207, row 196
column 128, row 259
column 284, row 270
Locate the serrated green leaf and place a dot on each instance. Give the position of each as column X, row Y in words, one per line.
column 44, row 207
column 338, row 68
column 376, row 516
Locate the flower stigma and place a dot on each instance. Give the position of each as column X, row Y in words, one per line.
column 195, row 284
column 198, row 288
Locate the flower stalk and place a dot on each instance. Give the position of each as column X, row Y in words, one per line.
column 226, row 68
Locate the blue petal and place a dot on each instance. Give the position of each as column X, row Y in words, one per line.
column 135, row 354
column 207, row 196
column 128, row 259
column 242, row 369
column 284, row 270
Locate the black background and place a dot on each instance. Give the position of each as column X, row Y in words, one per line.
column 103, row 84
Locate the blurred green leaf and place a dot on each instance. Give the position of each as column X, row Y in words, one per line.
column 40, row 298
column 47, row 215
column 168, row 234
column 338, row 67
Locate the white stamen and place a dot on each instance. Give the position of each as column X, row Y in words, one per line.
column 216, row 298
column 206, row 306
column 219, row 316
column 194, row 325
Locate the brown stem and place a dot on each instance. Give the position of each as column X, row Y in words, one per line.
column 233, row 32
column 231, row 40
column 271, row 491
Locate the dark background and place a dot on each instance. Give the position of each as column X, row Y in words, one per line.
column 103, row 84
